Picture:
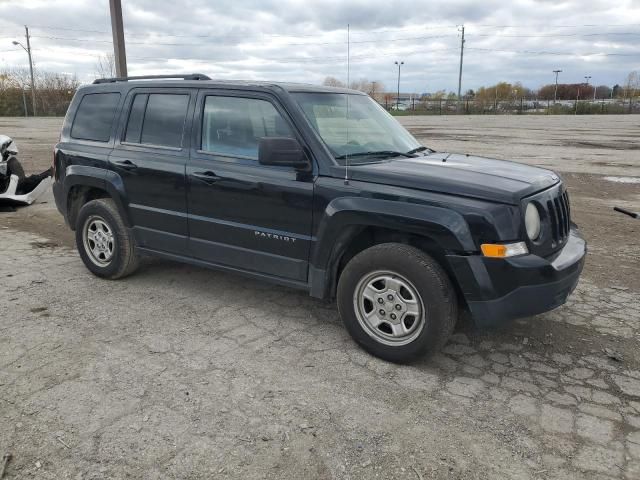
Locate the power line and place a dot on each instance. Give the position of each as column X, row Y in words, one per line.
column 153, row 43
column 244, row 35
column 585, row 54
column 547, row 25
column 559, row 35
column 333, row 58
column 362, row 32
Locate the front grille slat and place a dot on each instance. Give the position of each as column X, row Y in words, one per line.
column 565, row 196
column 555, row 232
column 559, row 213
column 560, row 216
column 563, row 204
column 555, row 210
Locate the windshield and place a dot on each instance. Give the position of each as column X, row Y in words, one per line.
column 367, row 132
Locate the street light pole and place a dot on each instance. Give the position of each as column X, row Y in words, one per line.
column 555, row 94
column 587, row 78
column 398, row 96
column 33, row 83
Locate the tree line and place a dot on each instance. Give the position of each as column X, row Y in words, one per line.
column 53, row 91
column 505, row 91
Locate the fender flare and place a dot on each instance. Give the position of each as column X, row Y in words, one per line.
column 109, row 181
column 345, row 217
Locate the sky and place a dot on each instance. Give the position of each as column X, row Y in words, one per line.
column 306, row 41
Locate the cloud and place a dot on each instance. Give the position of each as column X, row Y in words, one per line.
column 305, row 41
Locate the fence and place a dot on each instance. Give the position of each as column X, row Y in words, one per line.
column 16, row 102
column 519, row 106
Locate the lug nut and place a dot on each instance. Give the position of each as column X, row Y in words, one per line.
column 398, row 307
column 393, row 316
column 390, row 297
column 382, row 312
column 380, row 300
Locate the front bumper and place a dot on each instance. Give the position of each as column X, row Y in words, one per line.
column 499, row 290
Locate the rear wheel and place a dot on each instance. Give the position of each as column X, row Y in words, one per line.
column 103, row 241
column 397, row 302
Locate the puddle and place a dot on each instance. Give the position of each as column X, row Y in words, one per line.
column 623, row 179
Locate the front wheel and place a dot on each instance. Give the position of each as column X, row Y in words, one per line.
column 106, row 246
column 397, row 302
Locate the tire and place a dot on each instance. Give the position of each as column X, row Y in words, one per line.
column 111, row 254
column 425, row 308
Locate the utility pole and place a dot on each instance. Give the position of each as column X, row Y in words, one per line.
column 33, row 83
column 555, row 94
column 398, row 96
column 117, row 31
column 460, row 72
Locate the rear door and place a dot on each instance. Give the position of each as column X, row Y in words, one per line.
column 241, row 213
column 150, row 155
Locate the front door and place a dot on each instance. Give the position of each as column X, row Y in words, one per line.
column 243, row 214
column 150, row 156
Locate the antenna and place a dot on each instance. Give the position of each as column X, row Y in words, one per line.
column 346, row 158
column 348, row 54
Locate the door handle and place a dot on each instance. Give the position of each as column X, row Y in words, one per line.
column 207, row 177
column 126, row 164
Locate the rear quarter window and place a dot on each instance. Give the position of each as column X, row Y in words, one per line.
column 157, row 119
column 95, row 115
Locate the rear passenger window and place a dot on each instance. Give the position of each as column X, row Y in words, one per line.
column 94, row 117
column 157, row 119
column 233, row 126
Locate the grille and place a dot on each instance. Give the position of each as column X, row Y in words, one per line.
column 560, row 216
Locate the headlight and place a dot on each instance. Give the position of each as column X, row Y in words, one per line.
column 532, row 221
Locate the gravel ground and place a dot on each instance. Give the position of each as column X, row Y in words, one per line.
column 180, row 372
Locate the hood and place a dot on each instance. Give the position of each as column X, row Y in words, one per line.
column 477, row 177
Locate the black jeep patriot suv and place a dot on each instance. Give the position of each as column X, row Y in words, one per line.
column 314, row 188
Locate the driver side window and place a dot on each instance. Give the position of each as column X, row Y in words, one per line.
column 233, row 126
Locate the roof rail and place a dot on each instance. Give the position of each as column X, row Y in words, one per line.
column 190, row 76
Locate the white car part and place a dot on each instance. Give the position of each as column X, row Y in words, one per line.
column 27, row 198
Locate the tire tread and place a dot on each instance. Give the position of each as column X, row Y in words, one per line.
column 439, row 331
column 127, row 258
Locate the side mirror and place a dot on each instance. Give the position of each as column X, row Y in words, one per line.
column 282, row 151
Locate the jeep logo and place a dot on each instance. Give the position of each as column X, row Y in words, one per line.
column 273, row 236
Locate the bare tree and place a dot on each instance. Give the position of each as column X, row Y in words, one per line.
column 376, row 90
column 333, row 82
column 632, row 85
column 363, row 85
column 19, row 77
column 105, row 66
column 55, row 91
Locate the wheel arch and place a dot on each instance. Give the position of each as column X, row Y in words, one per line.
column 346, row 231
column 83, row 184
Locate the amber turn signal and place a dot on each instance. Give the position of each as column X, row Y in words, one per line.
column 497, row 250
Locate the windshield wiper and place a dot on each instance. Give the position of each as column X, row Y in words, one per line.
column 378, row 153
column 416, row 150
